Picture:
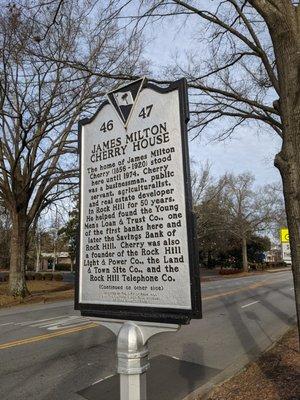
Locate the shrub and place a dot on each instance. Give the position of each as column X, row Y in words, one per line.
column 279, row 264
column 4, row 277
column 229, row 271
column 38, row 276
column 62, row 267
column 30, row 276
column 58, row 277
column 48, row 277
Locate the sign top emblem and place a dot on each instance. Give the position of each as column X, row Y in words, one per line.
column 124, row 98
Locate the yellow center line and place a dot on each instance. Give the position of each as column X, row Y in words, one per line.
column 94, row 325
column 253, row 286
column 46, row 336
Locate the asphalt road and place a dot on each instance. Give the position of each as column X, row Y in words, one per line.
column 50, row 352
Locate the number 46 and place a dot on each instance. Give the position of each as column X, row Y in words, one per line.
column 146, row 111
column 107, row 126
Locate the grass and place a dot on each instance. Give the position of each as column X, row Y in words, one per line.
column 40, row 291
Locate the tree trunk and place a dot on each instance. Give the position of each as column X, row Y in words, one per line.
column 71, row 264
column 38, row 255
column 244, row 252
column 286, row 40
column 291, row 185
column 17, row 283
column 289, row 167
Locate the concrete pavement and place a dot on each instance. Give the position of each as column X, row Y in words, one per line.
column 50, row 352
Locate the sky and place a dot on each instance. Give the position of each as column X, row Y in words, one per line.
column 244, row 152
column 247, row 150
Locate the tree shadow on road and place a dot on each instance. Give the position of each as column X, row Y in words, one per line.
column 252, row 349
column 69, row 367
column 194, row 353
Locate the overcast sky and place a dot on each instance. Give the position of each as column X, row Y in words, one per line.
column 247, row 150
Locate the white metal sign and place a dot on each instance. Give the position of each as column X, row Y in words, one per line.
column 136, row 240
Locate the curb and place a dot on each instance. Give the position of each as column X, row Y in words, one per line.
column 203, row 392
column 272, row 271
column 233, row 276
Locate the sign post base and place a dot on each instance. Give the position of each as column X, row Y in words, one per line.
column 132, row 353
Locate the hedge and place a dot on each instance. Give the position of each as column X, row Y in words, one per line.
column 4, row 277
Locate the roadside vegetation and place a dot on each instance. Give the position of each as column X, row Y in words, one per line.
column 237, row 221
column 274, row 376
column 59, row 58
column 41, row 99
column 41, row 291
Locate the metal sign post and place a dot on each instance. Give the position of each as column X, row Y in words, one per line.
column 132, row 353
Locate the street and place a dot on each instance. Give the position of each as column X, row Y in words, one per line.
column 50, row 352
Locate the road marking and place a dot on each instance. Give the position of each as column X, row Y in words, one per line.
column 253, row 286
column 65, row 324
column 54, row 323
column 7, row 323
column 282, row 280
column 250, row 304
column 102, row 379
column 46, row 336
column 38, row 320
column 93, row 325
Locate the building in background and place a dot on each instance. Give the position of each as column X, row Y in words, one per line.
column 273, row 255
column 60, row 261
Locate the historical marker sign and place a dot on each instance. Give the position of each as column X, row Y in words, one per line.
column 137, row 255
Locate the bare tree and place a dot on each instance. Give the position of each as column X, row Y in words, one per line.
column 200, row 180
column 41, row 100
column 233, row 211
column 250, row 211
column 212, row 219
column 250, row 75
column 5, row 229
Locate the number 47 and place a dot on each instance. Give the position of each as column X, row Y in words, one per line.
column 146, row 111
